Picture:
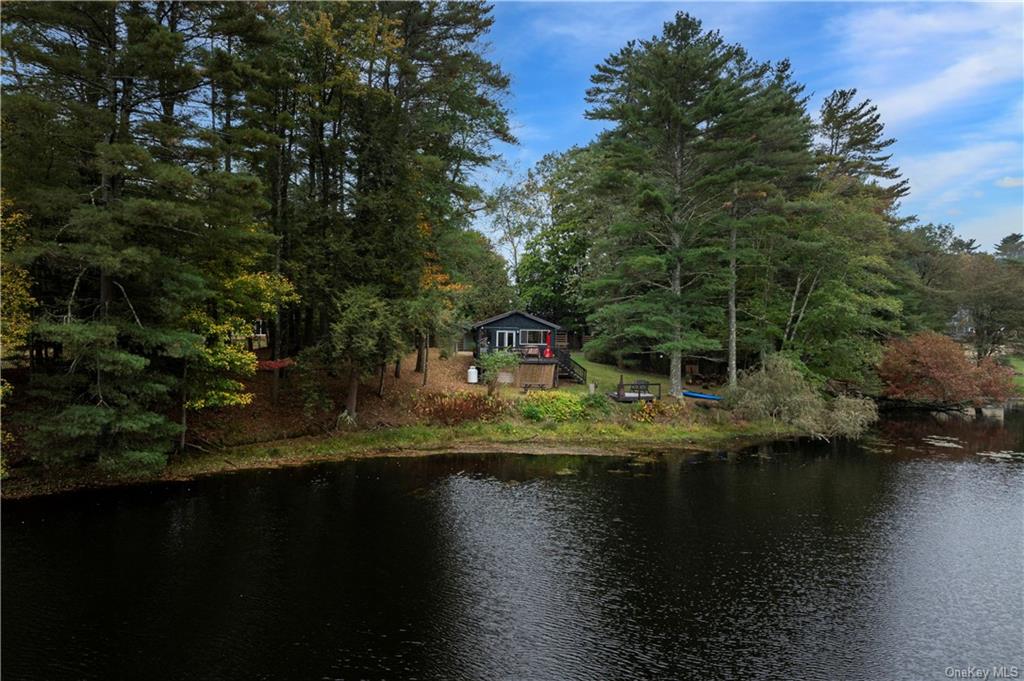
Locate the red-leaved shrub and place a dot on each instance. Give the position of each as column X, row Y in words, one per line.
column 931, row 368
column 457, row 407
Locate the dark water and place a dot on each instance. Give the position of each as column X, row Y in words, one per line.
column 897, row 559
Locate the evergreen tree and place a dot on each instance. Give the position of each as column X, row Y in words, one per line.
column 140, row 238
column 1011, row 248
column 554, row 267
column 365, row 334
column 378, row 114
column 926, row 263
column 471, row 262
column 767, row 146
column 853, row 146
column 706, row 140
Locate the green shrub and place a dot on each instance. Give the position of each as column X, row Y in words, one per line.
column 780, row 392
column 506, row 428
column 777, row 392
column 851, row 416
column 551, row 406
column 493, row 363
column 458, row 407
column 596, row 405
column 599, row 355
column 311, row 368
column 658, row 410
column 141, row 462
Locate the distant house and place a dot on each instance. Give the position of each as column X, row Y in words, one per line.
column 543, row 357
column 961, row 325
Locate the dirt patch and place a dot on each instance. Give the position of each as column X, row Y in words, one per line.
column 263, row 420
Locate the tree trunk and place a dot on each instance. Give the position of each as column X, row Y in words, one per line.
column 732, row 306
column 398, row 368
column 792, row 311
column 426, row 355
column 276, row 328
column 104, row 294
column 353, row 393
column 104, row 311
column 675, row 365
column 184, row 410
column 803, row 308
column 380, row 386
column 419, row 355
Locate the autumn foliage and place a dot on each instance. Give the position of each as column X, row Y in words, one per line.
column 931, row 368
column 453, row 408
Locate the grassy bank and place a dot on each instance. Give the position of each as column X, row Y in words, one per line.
column 581, row 437
column 1018, row 365
column 607, row 376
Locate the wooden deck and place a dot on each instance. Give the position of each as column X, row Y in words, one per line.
column 640, row 391
column 627, row 396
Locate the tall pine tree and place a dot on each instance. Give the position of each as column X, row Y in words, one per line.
column 143, row 240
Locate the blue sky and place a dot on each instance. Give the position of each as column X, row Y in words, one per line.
column 948, row 79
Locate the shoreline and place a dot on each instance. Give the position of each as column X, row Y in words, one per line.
column 573, row 439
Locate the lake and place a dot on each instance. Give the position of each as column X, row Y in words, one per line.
column 900, row 557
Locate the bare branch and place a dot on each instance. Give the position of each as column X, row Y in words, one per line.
column 130, row 306
column 71, row 298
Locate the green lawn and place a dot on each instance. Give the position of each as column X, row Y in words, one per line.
column 607, row 376
column 1018, row 365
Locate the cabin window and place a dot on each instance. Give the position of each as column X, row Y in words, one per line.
column 533, row 336
column 505, row 339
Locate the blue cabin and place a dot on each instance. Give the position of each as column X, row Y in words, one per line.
column 513, row 331
column 535, row 340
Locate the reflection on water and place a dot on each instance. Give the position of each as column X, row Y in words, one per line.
column 807, row 560
column 954, row 435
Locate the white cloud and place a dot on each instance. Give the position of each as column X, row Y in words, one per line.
column 918, row 61
column 949, row 78
column 526, row 132
column 1010, row 182
column 947, row 176
column 956, row 83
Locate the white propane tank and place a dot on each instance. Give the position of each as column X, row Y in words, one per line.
column 474, row 375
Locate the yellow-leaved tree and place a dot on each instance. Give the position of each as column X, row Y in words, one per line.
column 16, row 301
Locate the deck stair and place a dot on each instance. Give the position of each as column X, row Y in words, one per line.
column 568, row 367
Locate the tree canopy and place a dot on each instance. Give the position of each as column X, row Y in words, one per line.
column 186, row 169
column 176, row 173
column 715, row 220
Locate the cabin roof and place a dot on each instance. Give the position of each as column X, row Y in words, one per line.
column 491, row 320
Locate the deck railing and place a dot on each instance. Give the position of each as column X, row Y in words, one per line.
column 566, row 364
column 570, row 366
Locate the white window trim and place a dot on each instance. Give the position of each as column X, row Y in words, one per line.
column 515, row 338
column 523, row 336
